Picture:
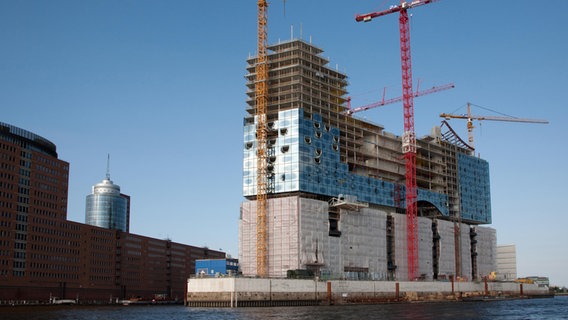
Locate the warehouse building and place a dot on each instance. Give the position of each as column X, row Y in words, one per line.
column 44, row 256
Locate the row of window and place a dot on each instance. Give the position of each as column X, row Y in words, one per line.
column 70, row 226
column 6, row 195
column 102, row 270
column 47, row 170
column 24, row 181
column 44, row 222
column 6, row 146
column 5, row 214
column 48, row 178
column 101, row 255
column 23, row 200
column 7, row 166
column 7, row 157
column 52, row 266
column 100, row 232
column 45, row 257
column 100, row 248
column 50, row 162
column 51, row 275
column 44, row 204
column 46, row 196
column 100, row 278
column 6, row 186
column 25, row 164
column 20, row 245
column 56, row 232
column 43, row 212
column 6, row 176
column 43, row 186
column 51, row 249
column 25, row 172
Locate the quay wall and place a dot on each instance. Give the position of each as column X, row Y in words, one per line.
column 242, row 292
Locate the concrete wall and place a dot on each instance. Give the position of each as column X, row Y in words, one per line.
column 283, row 236
column 315, row 247
column 465, row 252
column 363, row 243
column 486, row 251
column 239, row 291
column 298, row 238
column 447, row 259
column 425, row 242
column 400, row 253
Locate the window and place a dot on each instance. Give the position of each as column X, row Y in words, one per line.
column 334, row 228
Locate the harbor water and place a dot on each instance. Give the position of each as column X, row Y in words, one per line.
column 545, row 308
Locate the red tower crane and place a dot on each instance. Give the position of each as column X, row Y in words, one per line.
column 409, row 136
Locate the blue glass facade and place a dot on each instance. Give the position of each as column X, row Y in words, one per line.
column 475, row 195
column 306, row 158
column 313, row 147
column 107, row 208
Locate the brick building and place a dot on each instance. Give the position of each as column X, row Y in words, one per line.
column 43, row 255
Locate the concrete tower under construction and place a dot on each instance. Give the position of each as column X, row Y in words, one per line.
column 336, row 193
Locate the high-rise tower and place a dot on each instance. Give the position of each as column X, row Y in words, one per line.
column 33, row 193
column 107, row 208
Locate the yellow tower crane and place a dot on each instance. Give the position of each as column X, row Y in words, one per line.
column 261, row 90
column 471, row 117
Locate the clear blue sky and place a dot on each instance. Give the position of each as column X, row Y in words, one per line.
column 160, row 86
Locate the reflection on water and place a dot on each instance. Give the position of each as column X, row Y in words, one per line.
column 554, row 308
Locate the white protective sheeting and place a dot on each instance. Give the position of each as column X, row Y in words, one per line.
column 447, row 259
column 486, row 251
column 298, row 238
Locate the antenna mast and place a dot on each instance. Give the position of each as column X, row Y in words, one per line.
column 108, row 167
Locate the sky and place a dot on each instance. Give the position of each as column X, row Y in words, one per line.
column 159, row 85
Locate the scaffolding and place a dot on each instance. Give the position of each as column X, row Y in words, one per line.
column 298, row 77
column 305, row 101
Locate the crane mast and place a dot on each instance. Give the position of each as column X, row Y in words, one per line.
column 409, row 136
column 261, row 138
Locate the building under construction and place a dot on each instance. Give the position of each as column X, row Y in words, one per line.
column 335, row 184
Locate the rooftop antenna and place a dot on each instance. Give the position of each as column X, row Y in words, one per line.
column 108, row 167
